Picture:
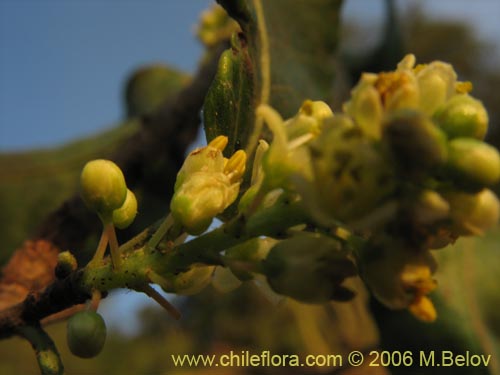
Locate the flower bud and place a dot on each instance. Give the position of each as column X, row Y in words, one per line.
column 463, row 116
column 206, row 185
column 192, row 281
column 436, row 83
column 429, row 207
column 200, row 198
column 473, row 163
column 125, row 215
column 365, row 107
column 473, row 214
column 204, row 159
column 103, row 186
column 415, row 141
column 309, row 268
column 66, row 263
column 319, row 110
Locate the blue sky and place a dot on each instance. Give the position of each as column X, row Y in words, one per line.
column 63, row 65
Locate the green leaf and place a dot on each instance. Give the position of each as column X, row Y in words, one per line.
column 283, row 56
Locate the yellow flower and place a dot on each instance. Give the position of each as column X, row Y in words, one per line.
column 206, row 185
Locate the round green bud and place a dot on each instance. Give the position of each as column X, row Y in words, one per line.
column 473, row 163
column 86, row 334
column 66, row 263
column 125, row 215
column 463, row 116
column 103, row 186
column 473, row 214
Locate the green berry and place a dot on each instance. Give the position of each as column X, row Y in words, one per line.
column 473, row 163
column 66, row 263
column 125, row 215
column 86, row 333
column 103, row 186
column 473, row 214
column 463, row 116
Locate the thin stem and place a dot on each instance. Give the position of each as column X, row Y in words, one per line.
column 160, row 233
column 46, row 352
column 265, row 69
column 114, row 247
column 150, row 292
column 101, row 248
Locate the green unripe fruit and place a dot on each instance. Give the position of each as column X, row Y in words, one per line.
column 66, row 263
column 463, row 116
column 103, row 186
column 473, row 214
column 125, row 215
column 86, row 333
column 473, row 163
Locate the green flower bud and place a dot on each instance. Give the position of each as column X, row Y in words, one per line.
column 308, row 120
column 204, row 159
column 200, row 198
column 430, row 207
column 206, row 185
column 309, row 268
column 66, row 263
column 365, row 107
column 319, row 110
column 416, row 142
column 473, row 214
column 473, row 163
column 463, row 116
column 192, row 281
column 436, row 83
column 125, row 215
column 86, row 334
column 103, row 186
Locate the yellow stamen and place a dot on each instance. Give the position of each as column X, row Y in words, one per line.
column 463, row 87
column 219, row 142
column 423, row 308
column 236, row 165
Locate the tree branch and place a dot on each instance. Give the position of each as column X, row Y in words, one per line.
column 149, row 159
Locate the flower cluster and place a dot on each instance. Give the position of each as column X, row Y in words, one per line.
column 404, row 166
column 402, row 170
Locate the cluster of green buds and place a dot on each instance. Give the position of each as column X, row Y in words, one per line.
column 105, row 192
column 206, row 185
column 405, row 167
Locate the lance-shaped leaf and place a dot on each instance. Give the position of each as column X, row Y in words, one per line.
column 283, row 56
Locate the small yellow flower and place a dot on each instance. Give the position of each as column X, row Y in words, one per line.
column 206, row 185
